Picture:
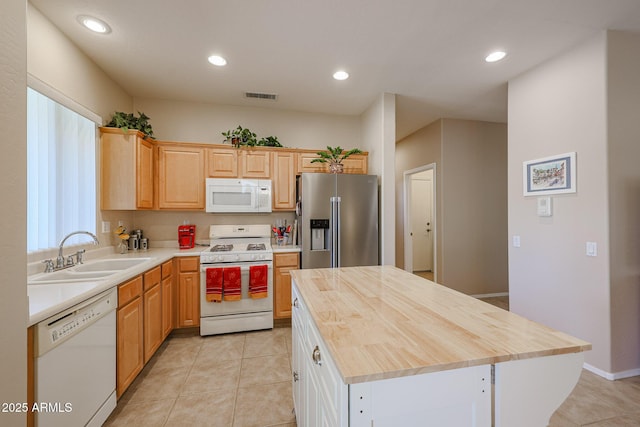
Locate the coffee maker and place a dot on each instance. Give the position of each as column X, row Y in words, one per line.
column 187, row 236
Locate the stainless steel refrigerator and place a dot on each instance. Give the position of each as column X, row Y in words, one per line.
column 337, row 219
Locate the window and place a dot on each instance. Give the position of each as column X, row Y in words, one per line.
column 61, row 173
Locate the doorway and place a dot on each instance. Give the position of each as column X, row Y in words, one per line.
column 420, row 230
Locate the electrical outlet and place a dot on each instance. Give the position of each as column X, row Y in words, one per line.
column 516, row 241
column 106, row 226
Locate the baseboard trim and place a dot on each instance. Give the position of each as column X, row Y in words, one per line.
column 612, row 376
column 499, row 294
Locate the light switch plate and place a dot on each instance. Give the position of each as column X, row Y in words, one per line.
column 516, row 241
column 106, row 226
column 592, row 249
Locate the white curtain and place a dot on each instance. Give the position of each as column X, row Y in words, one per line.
column 61, row 173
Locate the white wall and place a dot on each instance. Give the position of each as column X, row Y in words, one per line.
column 55, row 60
column 13, row 289
column 378, row 137
column 559, row 107
column 623, row 50
column 199, row 122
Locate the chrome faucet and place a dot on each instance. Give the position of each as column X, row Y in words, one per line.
column 60, row 263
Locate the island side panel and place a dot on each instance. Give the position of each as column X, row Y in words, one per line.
column 529, row 391
column 455, row 398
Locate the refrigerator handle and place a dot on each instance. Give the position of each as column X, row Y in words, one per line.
column 335, row 232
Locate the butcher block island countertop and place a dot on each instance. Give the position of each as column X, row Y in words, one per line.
column 381, row 322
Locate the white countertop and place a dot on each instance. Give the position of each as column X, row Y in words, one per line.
column 45, row 300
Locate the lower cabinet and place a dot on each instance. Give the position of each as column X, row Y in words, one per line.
column 129, row 334
column 153, row 331
column 145, row 317
column 167, row 298
column 282, row 264
column 188, row 292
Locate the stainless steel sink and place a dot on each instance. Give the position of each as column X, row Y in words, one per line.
column 111, row 264
column 99, row 269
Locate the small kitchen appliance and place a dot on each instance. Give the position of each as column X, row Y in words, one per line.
column 246, row 247
column 187, row 236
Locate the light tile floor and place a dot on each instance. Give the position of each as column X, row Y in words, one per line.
column 244, row 380
column 233, row 380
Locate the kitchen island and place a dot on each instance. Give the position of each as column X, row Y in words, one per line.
column 380, row 346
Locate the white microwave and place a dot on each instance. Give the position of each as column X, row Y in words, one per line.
column 230, row 195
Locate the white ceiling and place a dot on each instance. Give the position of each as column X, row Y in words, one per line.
column 428, row 52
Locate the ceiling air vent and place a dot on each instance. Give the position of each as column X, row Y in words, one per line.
column 258, row 95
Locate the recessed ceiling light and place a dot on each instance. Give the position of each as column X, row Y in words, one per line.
column 341, row 75
column 217, row 60
column 495, row 56
column 94, row 24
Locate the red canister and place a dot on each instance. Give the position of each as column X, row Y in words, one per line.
column 187, row 236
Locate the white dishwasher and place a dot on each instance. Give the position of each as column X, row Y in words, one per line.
column 75, row 369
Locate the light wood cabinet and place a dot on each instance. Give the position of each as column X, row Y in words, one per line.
column 127, row 170
column 255, row 164
column 354, row 164
column 180, row 177
column 284, row 181
column 152, row 305
column 188, row 292
column 129, row 335
column 222, row 162
column 283, row 263
column 167, row 298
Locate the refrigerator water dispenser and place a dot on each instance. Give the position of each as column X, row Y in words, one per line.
column 319, row 234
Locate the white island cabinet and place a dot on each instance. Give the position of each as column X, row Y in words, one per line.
column 377, row 346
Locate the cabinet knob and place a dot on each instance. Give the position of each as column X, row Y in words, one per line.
column 295, row 303
column 316, row 356
column 296, row 377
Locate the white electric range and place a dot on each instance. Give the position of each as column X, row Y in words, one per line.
column 237, row 246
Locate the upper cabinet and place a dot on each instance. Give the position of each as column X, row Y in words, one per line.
column 255, row 163
column 127, row 170
column 222, row 162
column 284, row 180
column 355, row 164
column 180, row 176
column 147, row 174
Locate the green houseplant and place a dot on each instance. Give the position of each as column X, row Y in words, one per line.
column 243, row 136
column 335, row 156
column 126, row 121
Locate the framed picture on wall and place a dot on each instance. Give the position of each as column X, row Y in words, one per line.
column 550, row 175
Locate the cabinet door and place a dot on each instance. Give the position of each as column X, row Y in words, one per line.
column 167, row 299
column 144, row 175
column 255, row 164
column 356, row 164
column 282, row 293
column 284, row 181
column 126, row 170
column 180, row 177
column 129, row 344
column 152, row 321
column 188, row 299
column 222, row 162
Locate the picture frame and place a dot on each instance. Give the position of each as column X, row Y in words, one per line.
column 550, row 175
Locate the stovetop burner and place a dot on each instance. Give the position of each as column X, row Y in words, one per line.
column 221, row 248
column 256, row 247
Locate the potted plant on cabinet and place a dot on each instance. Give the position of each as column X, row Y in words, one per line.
column 126, row 121
column 335, row 156
column 240, row 136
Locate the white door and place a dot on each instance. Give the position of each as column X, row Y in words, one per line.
column 422, row 221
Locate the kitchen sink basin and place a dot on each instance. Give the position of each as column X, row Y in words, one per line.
column 70, row 275
column 91, row 271
column 111, row 264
